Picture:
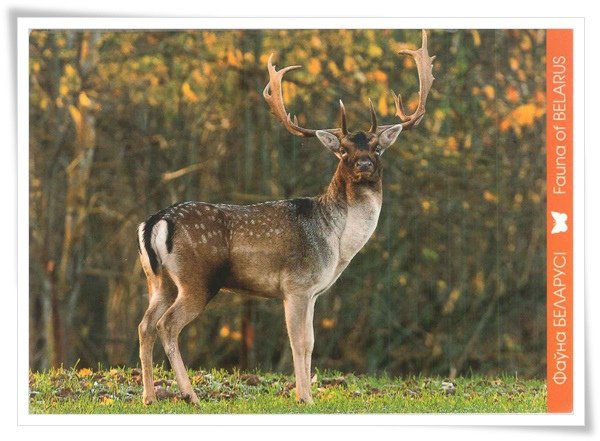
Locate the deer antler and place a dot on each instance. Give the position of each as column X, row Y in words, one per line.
column 424, row 70
column 274, row 98
column 373, row 128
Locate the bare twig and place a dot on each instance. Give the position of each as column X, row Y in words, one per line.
column 169, row 176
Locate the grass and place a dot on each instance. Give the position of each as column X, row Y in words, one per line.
column 119, row 391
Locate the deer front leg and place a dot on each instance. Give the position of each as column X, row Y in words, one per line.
column 298, row 318
column 310, row 338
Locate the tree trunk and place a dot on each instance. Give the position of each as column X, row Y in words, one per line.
column 76, row 205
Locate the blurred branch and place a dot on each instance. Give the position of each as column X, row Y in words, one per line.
column 169, row 176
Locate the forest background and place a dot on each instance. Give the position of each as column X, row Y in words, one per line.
column 125, row 123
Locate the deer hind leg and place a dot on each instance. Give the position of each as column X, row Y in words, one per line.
column 298, row 317
column 190, row 302
column 162, row 294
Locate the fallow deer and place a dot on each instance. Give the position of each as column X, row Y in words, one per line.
column 292, row 250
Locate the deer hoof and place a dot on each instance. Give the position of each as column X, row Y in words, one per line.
column 191, row 398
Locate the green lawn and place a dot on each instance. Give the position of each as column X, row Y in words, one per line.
column 119, row 391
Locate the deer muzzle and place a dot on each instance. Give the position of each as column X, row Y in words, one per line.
column 364, row 165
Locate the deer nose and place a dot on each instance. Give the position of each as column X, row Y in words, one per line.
column 364, row 165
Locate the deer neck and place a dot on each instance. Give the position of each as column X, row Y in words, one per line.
column 355, row 207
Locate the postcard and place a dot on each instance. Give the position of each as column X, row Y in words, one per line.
column 350, row 221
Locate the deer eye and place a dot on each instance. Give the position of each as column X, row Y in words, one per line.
column 378, row 150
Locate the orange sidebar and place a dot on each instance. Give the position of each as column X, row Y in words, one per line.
column 559, row 214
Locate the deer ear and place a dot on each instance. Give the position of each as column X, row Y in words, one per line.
column 389, row 137
column 329, row 140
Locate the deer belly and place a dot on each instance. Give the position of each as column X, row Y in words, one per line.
column 255, row 274
column 255, row 266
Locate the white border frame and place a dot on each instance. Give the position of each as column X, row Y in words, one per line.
column 577, row 418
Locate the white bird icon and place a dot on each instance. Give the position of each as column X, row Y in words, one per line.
column 560, row 222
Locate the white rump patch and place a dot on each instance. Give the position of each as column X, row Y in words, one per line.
column 159, row 239
column 144, row 254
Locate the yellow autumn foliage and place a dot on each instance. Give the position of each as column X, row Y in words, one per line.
column 327, row 323
column 314, row 66
column 349, row 64
column 69, row 70
column 224, row 331
column 382, row 105
column 234, row 57
column 84, row 100
column 315, row 42
column 197, row 76
column 210, row 38
column 333, row 68
column 290, row 91
column 379, row 76
column 264, row 58
column 452, row 143
column 489, row 91
column 525, row 114
column 188, row 93
column 374, row 51
column 76, row 116
column 476, row 37
column 526, row 43
column 512, row 94
column 489, row 196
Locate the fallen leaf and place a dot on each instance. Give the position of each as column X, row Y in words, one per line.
column 164, row 394
column 85, row 372
column 136, row 376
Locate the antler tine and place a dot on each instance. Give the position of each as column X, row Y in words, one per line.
column 373, row 128
column 425, row 72
column 274, row 97
column 424, row 65
column 343, row 113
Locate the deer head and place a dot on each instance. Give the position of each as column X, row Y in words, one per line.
column 359, row 152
